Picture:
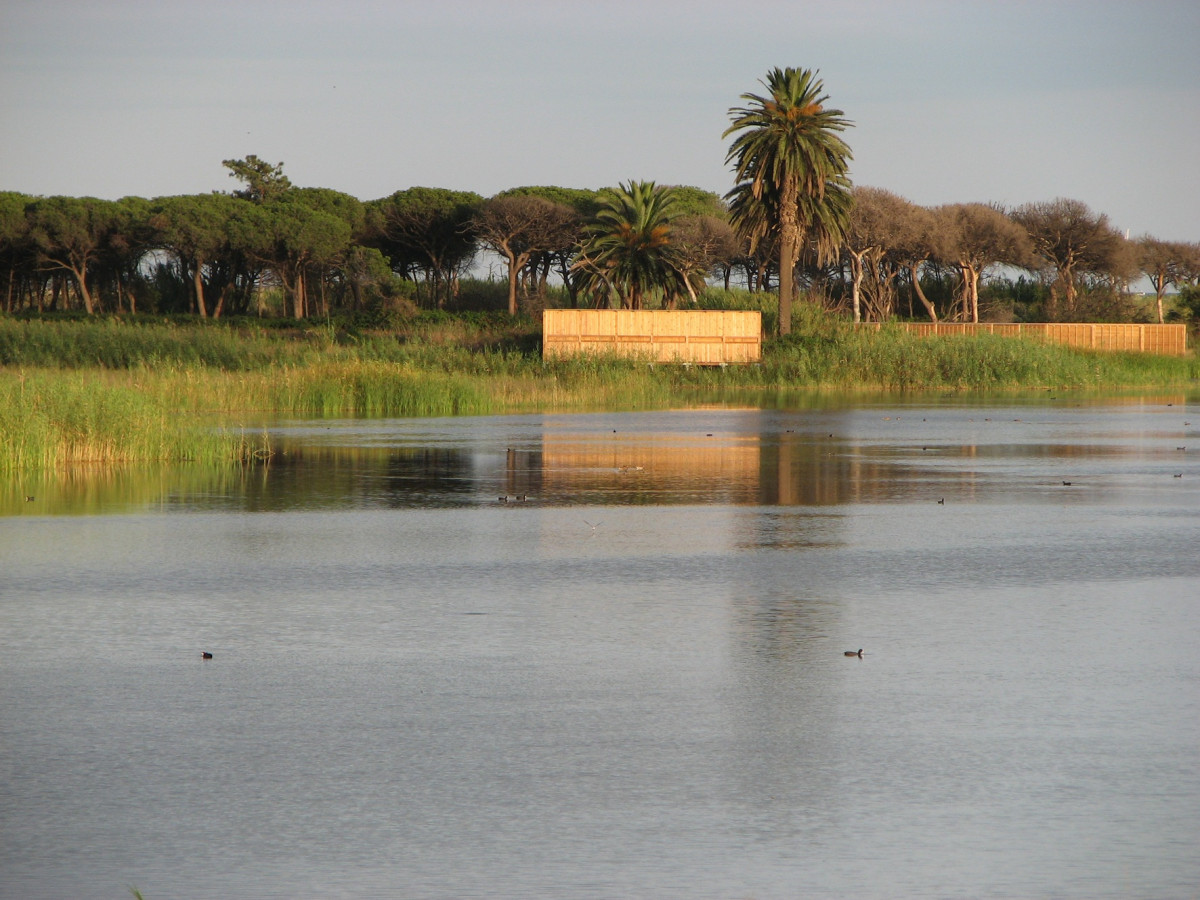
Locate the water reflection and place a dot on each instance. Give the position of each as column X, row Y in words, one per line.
column 790, row 458
column 636, row 673
column 331, row 477
column 96, row 490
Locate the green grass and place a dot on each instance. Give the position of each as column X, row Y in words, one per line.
column 249, row 344
column 54, row 419
column 112, row 391
column 893, row 360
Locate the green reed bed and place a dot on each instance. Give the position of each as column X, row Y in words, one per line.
column 824, row 351
column 893, row 360
column 250, row 344
column 114, row 343
column 51, row 419
column 606, row 382
column 375, row 389
column 487, row 383
column 156, row 388
column 54, row 418
column 325, row 388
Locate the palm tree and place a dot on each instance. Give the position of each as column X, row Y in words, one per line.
column 629, row 248
column 788, row 161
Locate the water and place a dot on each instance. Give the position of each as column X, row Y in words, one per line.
column 630, row 684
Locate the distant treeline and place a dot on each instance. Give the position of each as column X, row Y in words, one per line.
column 273, row 248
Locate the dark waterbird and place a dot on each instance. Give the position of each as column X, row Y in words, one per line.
column 204, row 654
column 853, row 653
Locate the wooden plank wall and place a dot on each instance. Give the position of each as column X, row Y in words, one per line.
column 1168, row 340
column 704, row 337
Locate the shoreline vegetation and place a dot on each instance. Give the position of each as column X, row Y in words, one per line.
column 123, row 390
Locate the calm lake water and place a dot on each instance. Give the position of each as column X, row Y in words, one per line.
column 632, row 683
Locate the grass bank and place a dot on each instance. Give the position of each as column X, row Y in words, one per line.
column 113, row 391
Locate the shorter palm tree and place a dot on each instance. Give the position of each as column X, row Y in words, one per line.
column 629, row 249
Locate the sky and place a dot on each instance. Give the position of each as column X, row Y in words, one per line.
column 1000, row 101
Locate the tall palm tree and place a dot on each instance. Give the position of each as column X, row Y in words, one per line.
column 630, row 249
column 788, row 161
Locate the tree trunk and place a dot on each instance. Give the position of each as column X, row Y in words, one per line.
column 1160, row 288
column 762, row 277
column 296, row 289
column 970, row 292
column 570, row 285
column 920, row 293
column 198, row 284
column 513, row 272
column 973, row 294
column 221, row 301
column 691, row 293
column 516, row 265
column 789, row 249
column 84, row 293
column 785, row 287
column 1052, row 302
column 1066, row 276
column 856, row 277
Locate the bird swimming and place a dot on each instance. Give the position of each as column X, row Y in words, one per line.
column 204, row 654
column 852, row 653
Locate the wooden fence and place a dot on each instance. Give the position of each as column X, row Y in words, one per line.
column 1168, row 340
column 703, row 337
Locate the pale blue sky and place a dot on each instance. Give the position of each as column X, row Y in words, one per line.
column 1005, row 101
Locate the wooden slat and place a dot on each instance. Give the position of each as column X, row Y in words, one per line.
column 705, row 337
column 1170, row 340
